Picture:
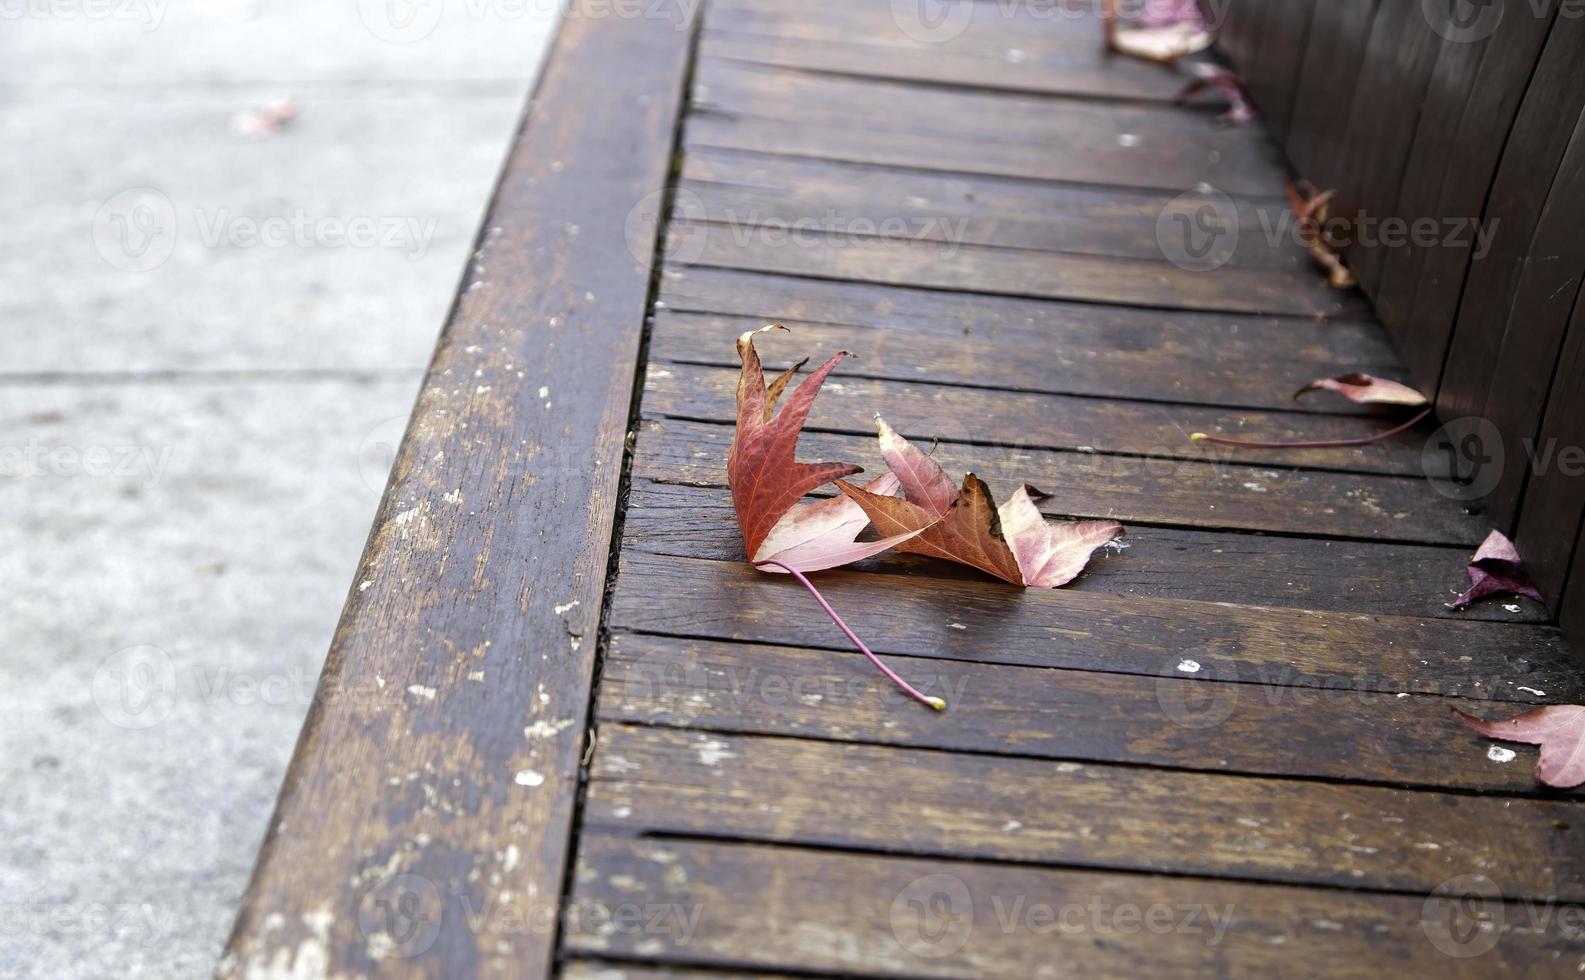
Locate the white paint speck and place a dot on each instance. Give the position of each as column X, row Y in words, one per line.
column 1189, row 666
column 528, row 777
column 1127, row 139
column 1499, row 754
column 712, row 752
column 1512, row 607
column 420, row 691
column 1531, row 690
column 565, row 607
column 544, row 391
column 956, row 626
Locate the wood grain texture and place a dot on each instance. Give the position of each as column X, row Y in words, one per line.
column 1095, row 631
column 1330, row 71
column 1172, row 719
column 1143, row 146
column 1266, row 570
column 893, row 916
column 1113, row 425
column 882, row 797
column 1016, row 47
column 438, row 768
column 815, row 200
column 1554, row 502
column 1187, row 493
column 1433, row 291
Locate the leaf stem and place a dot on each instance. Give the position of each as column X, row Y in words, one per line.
column 933, row 702
column 1315, row 444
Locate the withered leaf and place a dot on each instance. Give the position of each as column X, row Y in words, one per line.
column 1013, row 542
column 1560, row 731
column 1311, row 209
column 1240, row 104
column 1495, row 569
column 1366, row 390
column 1164, row 32
column 767, row 481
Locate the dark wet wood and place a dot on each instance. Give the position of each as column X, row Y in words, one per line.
column 890, row 798
column 895, row 916
column 1186, row 493
column 439, row 766
column 909, row 615
column 1173, row 718
column 1266, row 570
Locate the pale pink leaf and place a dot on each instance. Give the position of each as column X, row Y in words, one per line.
column 1050, row 554
column 1560, row 731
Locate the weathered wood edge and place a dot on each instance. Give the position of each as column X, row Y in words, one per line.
column 423, row 827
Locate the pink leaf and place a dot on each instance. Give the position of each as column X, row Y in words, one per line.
column 1560, row 731
column 1240, row 104
column 1366, row 390
column 1495, row 569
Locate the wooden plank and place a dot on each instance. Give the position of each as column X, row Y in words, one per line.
column 1021, row 48
column 815, row 200
column 1172, row 719
column 1013, row 321
column 1554, row 500
column 1326, row 87
column 1530, row 162
column 1398, row 59
column 1544, row 301
column 1003, row 808
column 1015, row 272
column 1274, row 76
column 1095, row 631
column 1106, row 425
column 869, row 121
column 1571, row 609
column 1186, row 493
column 479, row 594
column 1164, row 562
column 589, row 969
column 744, row 906
column 1432, row 290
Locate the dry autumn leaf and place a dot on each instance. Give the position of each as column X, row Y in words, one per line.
column 1311, row 209
column 1240, row 105
column 767, row 481
column 1560, row 731
column 1495, row 570
column 1166, row 31
column 1364, row 389
column 1013, row 542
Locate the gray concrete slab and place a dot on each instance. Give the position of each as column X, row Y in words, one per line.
column 195, row 421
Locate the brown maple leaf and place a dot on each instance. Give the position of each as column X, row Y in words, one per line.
column 1560, row 731
column 1311, row 208
column 1012, row 542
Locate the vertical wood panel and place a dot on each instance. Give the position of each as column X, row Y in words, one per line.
column 1274, row 77
column 1555, row 498
column 1386, row 107
column 1530, row 162
column 1326, row 86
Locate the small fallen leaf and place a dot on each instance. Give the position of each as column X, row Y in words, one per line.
column 1164, row 32
column 265, row 120
column 1013, row 542
column 1311, row 209
column 1240, row 104
column 1365, row 389
column 1560, row 731
column 1495, row 569
column 767, row 481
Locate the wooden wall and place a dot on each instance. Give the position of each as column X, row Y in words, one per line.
column 1454, row 122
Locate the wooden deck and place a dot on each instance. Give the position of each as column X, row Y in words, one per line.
column 1225, row 750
